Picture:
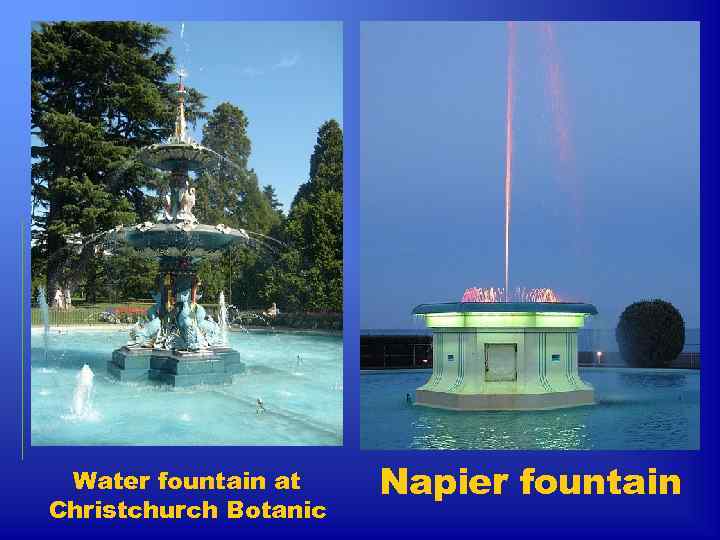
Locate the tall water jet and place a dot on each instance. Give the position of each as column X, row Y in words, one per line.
column 556, row 93
column 509, row 147
column 45, row 312
column 500, row 349
column 562, row 126
column 521, row 294
column 82, row 396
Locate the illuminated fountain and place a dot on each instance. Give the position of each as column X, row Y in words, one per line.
column 178, row 343
column 499, row 349
column 504, row 355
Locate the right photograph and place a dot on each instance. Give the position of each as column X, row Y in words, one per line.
column 530, row 235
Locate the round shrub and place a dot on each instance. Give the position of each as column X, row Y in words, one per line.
column 650, row 334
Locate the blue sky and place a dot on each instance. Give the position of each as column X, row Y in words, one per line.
column 617, row 222
column 286, row 76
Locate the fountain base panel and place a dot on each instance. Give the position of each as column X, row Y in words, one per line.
column 175, row 368
column 504, row 402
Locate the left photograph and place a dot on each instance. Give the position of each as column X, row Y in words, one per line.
column 186, row 233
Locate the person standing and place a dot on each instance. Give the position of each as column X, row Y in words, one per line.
column 58, row 300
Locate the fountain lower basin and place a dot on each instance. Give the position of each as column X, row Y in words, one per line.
column 504, row 356
column 303, row 403
column 215, row 365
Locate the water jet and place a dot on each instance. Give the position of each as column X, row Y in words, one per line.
column 500, row 349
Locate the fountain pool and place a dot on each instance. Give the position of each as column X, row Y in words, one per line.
column 303, row 403
column 635, row 410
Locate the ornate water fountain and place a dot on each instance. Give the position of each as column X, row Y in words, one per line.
column 179, row 343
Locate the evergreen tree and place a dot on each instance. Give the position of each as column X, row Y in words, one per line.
column 309, row 274
column 271, row 196
column 231, row 194
column 98, row 93
column 326, row 162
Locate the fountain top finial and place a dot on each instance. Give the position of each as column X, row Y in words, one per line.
column 180, row 124
column 180, row 152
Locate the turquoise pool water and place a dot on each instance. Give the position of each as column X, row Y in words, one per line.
column 303, row 400
column 635, row 410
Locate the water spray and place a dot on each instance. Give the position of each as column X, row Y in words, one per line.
column 45, row 311
column 509, row 145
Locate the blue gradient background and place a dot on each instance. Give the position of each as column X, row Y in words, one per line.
column 345, row 479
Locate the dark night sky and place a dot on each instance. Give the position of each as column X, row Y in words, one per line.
column 616, row 222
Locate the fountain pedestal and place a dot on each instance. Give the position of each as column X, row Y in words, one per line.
column 179, row 344
column 215, row 365
column 504, row 356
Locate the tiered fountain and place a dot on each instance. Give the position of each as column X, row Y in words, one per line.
column 178, row 344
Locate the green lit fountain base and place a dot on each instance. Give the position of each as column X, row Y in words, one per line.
column 505, row 356
column 175, row 368
column 504, row 402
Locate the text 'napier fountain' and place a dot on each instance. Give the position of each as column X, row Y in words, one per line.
column 178, row 344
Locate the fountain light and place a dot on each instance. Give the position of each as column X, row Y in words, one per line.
column 520, row 294
column 504, row 355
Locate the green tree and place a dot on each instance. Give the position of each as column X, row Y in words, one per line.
column 99, row 91
column 231, row 194
column 326, row 162
column 220, row 190
column 271, row 196
column 309, row 273
column 129, row 274
column 650, row 334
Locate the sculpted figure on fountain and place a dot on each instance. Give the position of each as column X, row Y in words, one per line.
column 145, row 334
column 187, row 203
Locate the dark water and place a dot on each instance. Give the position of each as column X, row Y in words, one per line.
column 635, row 410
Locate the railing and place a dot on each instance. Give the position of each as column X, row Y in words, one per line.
column 393, row 350
column 602, row 339
column 691, row 360
column 130, row 312
column 89, row 314
column 95, row 314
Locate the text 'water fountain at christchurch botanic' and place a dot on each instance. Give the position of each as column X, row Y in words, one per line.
column 179, row 344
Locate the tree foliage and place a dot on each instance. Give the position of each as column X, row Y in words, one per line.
column 99, row 91
column 271, row 196
column 650, row 334
column 308, row 275
column 230, row 194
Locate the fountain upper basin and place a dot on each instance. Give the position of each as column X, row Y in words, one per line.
column 182, row 238
column 505, row 314
column 174, row 156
